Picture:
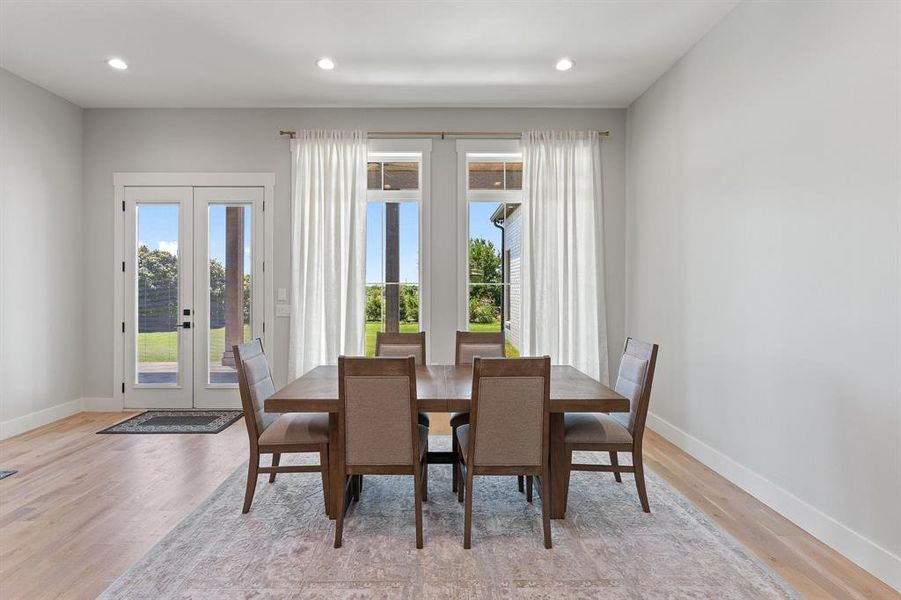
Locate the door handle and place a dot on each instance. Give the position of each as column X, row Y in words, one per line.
column 185, row 324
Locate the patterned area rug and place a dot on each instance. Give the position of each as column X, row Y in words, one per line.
column 605, row 548
column 177, row 421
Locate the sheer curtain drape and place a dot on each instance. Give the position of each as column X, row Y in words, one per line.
column 327, row 248
column 563, row 309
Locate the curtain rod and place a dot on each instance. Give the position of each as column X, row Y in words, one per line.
column 439, row 134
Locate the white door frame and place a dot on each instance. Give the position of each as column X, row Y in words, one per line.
column 123, row 180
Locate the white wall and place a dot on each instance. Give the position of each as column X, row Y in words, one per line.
column 41, row 261
column 248, row 140
column 763, row 247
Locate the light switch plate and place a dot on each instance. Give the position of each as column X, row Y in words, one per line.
column 282, row 310
column 282, row 294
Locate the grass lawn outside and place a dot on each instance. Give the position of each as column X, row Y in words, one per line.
column 374, row 326
column 161, row 346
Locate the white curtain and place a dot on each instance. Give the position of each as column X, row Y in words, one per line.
column 327, row 247
column 563, row 303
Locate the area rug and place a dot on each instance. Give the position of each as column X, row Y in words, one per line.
column 605, row 548
column 177, row 421
column 5, row 474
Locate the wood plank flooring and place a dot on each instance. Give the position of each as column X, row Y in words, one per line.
column 86, row 506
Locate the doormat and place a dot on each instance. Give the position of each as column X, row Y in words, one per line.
column 5, row 474
column 177, row 421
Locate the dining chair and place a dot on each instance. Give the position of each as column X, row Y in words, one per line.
column 470, row 344
column 617, row 432
column 275, row 434
column 378, row 430
column 508, row 430
column 403, row 344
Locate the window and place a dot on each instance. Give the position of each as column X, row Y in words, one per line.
column 491, row 211
column 394, row 241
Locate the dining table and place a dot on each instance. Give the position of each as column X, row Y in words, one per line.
column 445, row 389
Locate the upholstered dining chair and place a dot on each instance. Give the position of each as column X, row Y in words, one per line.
column 616, row 432
column 378, row 429
column 275, row 434
column 508, row 429
column 469, row 345
column 403, row 344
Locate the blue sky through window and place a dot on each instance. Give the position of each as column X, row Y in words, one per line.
column 480, row 225
column 158, row 230
column 409, row 242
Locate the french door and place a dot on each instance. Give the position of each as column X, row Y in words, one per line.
column 194, row 287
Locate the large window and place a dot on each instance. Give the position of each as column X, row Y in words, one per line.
column 394, row 244
column 493, row 216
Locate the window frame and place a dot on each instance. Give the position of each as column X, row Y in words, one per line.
column 478, row 150
column 410, row 150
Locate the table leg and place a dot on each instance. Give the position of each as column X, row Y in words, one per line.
column 335, row 465
column 557, row 484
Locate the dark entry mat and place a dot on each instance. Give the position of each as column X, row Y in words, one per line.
column 177, row 421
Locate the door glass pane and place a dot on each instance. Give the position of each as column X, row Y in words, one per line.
column 230, row 273
column 157, row 291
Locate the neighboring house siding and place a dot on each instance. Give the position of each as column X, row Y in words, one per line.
column 514, row 244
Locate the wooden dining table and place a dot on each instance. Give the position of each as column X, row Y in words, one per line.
column 444, row 389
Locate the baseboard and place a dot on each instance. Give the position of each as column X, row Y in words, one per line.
column 868, row 555
column 40, row 418
column 103, row 405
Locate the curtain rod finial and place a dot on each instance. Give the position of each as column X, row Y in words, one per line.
column 291, row 134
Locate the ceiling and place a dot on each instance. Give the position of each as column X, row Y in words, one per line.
column 194, row 53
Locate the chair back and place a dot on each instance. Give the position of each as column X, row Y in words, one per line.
column 509, row 411
column 378, row 411
column 484, row 344
column 255, row 383
column 636, row 374
column 401, row 344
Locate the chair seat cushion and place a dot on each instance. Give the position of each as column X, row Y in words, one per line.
column 459, row 418
column 463, row 439
column 594, row 428
column 297, row 428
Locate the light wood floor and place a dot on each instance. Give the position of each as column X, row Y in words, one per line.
column 85, row 506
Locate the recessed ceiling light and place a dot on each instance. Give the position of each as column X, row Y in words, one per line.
column 117, row 63
column 565, row 64
column 326, row 64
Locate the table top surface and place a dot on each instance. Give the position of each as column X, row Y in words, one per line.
column 447, row 388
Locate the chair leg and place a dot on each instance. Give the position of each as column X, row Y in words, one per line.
column 614, row 460
column 276, row 458
column 417, row 494
column 639, row 482
column 323, row 463
column 467, row 512
column 567, row 473
column 252, row 465
column 529, row 489
column 355, row 485
column 455, row 477
column 519, row 482
column 425, row 474
column 339, row 519
column 545, row 509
